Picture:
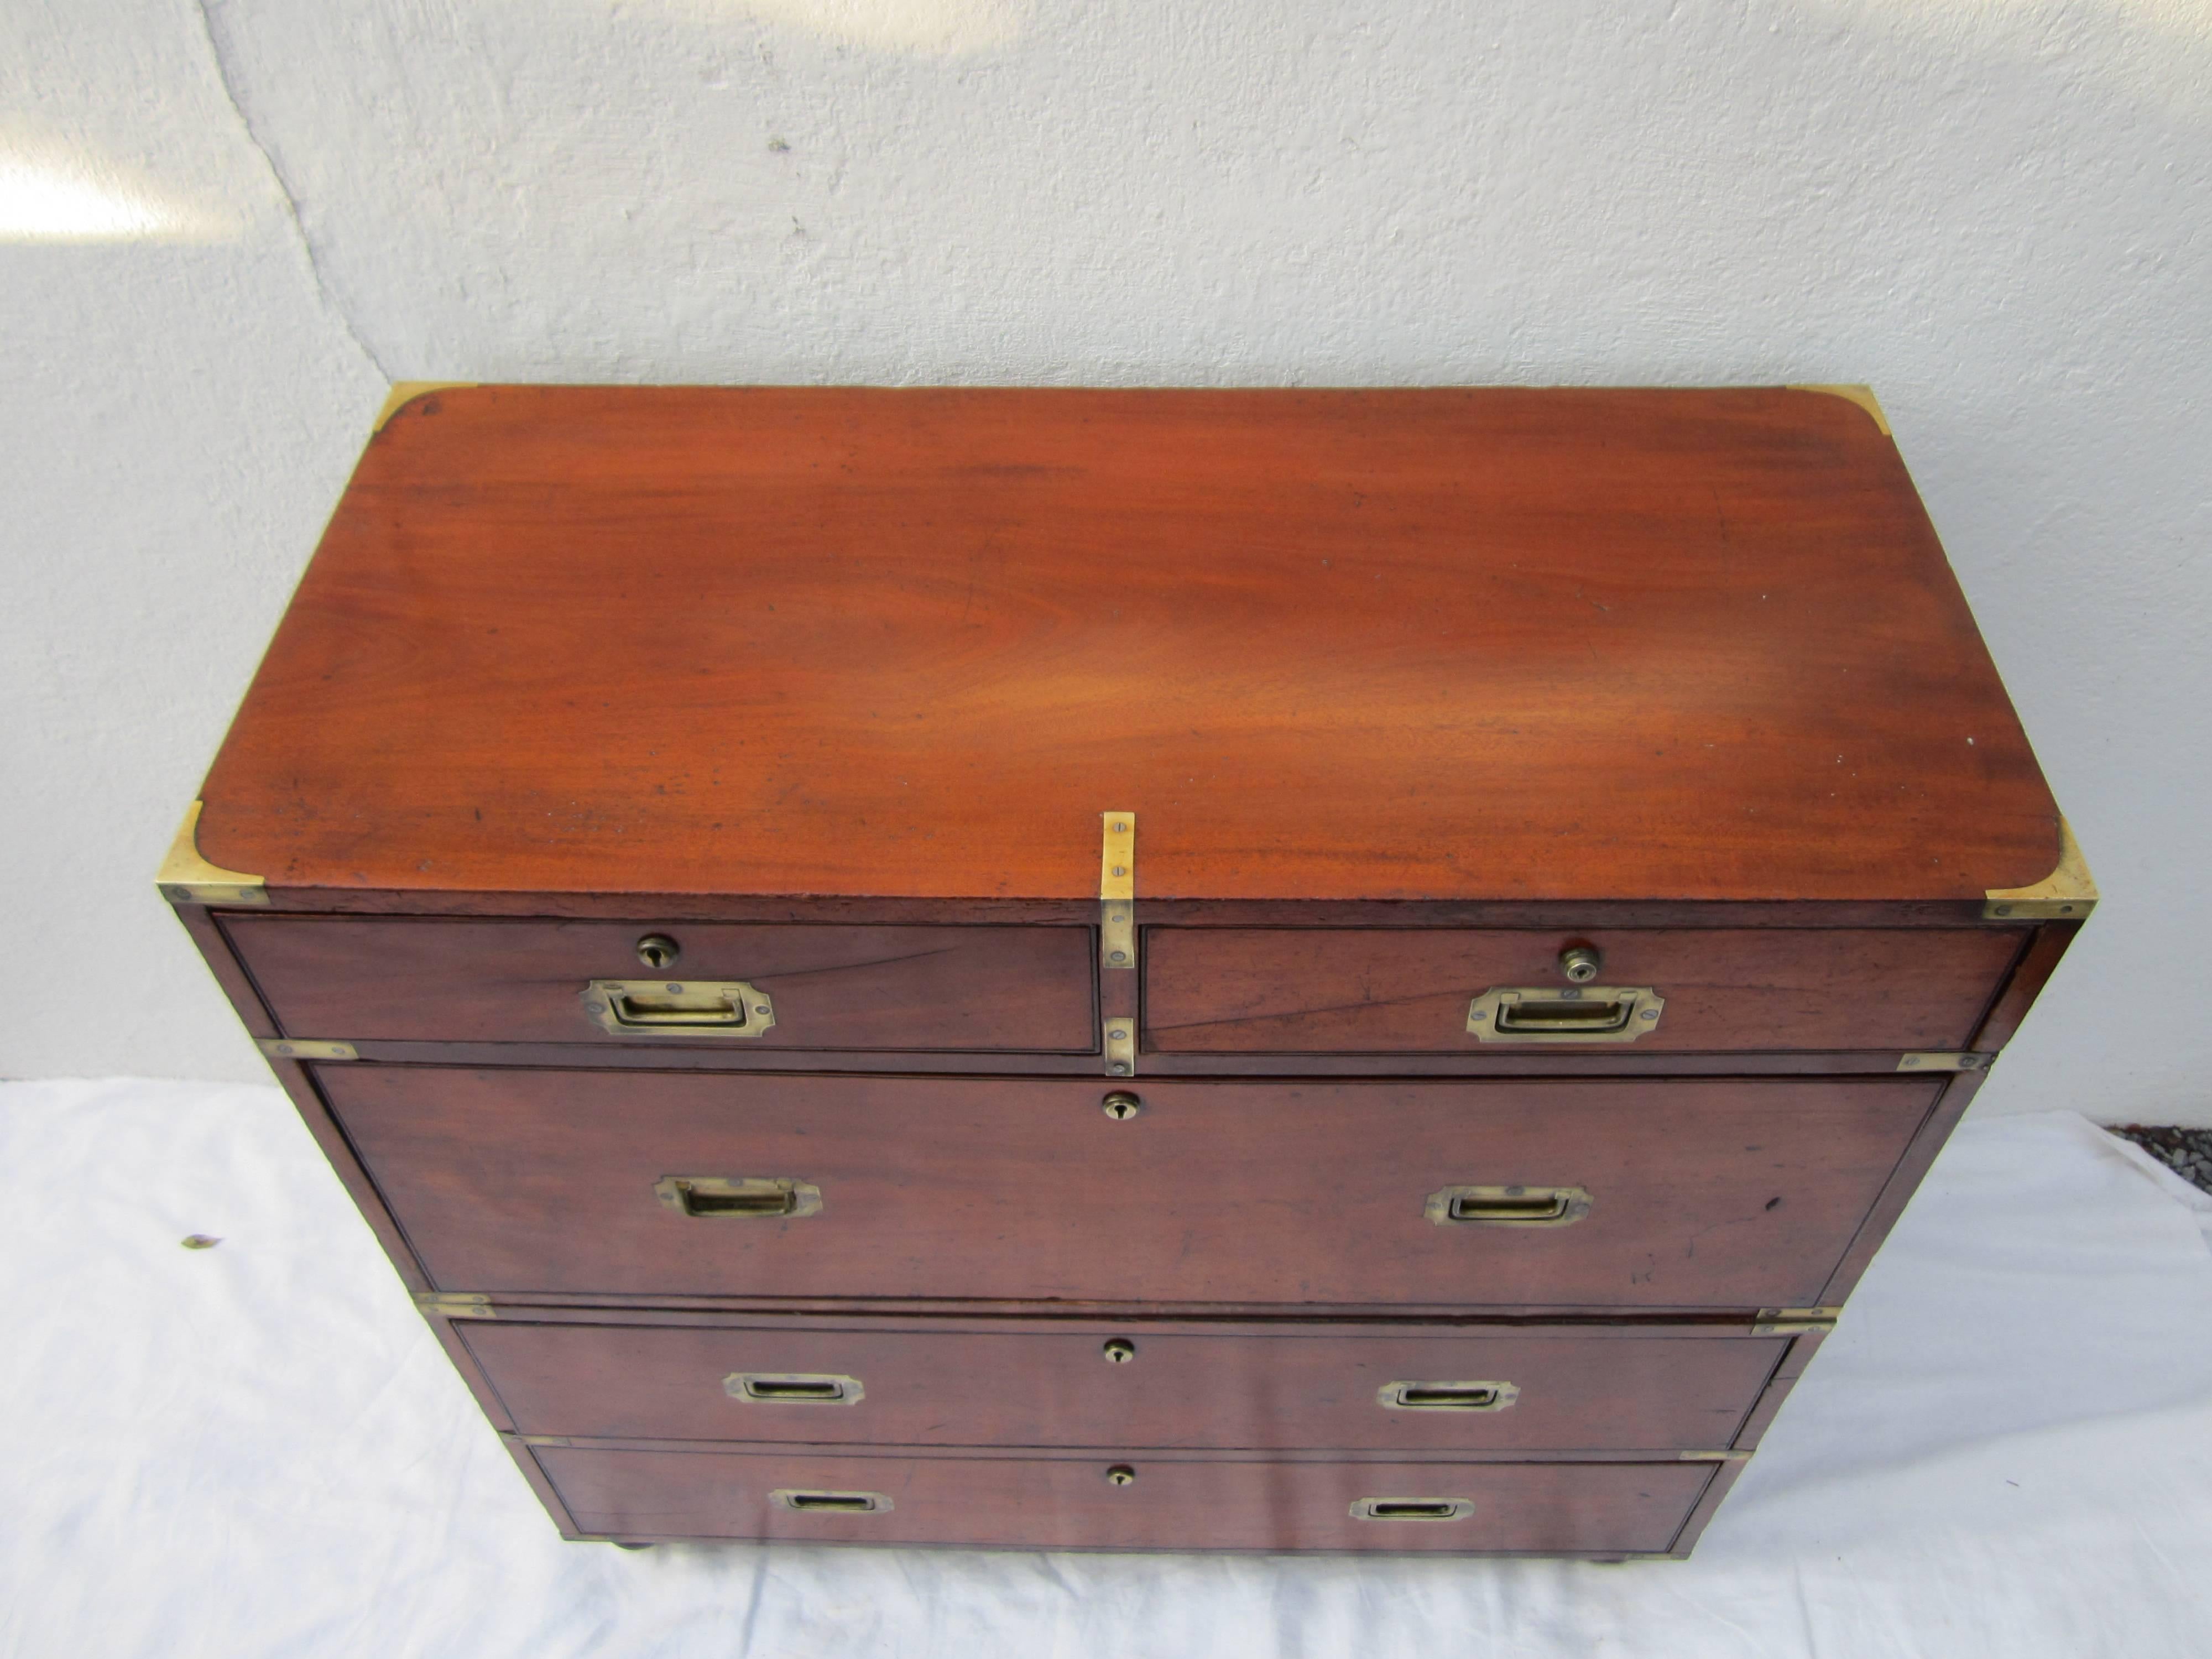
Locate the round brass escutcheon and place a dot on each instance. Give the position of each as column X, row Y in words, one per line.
column 1120, row 1475
column 1121, row 1105
column 1119, row 1351
column 1580, row 963
column 659, row 951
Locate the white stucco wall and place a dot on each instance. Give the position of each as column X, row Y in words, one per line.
column 1994, row 211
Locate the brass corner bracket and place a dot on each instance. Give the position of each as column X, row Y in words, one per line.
column 1794, row 1322
column 455, row 1304
column 187, row 878
column 1862, row 395
column 2066, row 894
column 304, row 1048
column 403, row 392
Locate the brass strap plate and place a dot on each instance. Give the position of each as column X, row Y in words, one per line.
column 2066, row 894
column 187, row 878
column 304, row 1048
column 1117, row 890
column 455, row 1304
column 1941, row 1062
column 1121, row 1045
column 1794, row 1322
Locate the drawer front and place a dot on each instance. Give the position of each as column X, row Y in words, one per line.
column 438, row 979
column 1071, row 1504
column 1410, row 991
column 1141, row 1385
column 1696, row 1193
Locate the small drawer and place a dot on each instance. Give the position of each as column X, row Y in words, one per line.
column 1139, row 1384
column 1508, row 1193
column 1342, row 991
column 1002, row 989
column 1135, row 1503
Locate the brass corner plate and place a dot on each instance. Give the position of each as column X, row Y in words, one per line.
column 1794, row 1322
column 1540, row 1013
column 1862, row 395
column 2066, row 894
column 304, row 1048
column 186, row 878
column 455, row 1304
column 403, row 392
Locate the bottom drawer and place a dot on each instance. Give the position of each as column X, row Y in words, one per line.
column 1161, row 1504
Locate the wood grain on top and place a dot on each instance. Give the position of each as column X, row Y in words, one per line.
column 1405, row 645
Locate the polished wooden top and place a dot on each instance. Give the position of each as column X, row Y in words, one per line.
column 1512, row 644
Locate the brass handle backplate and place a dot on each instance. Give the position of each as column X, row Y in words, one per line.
column 738, row 1197
column 794, row 1387
column 831, row 1503
column 1447, row 1396
column 679, row 1008
column 1413, row 1509
column 1583, row 1013
column 1507, row 1207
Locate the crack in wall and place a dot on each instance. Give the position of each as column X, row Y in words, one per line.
column 225, row 79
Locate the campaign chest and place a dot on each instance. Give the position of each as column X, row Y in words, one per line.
column 1271, row 970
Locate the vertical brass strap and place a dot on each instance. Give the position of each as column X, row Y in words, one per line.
column 1117, row 940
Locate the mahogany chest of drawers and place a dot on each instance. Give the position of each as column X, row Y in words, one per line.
column 1274, row 970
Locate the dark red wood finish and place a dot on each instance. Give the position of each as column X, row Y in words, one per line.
column 1510, row 644
column 1406, row 990
column 1024, row 1384
column 834, row 988
column 1173, row 1503
column 1704, row 1194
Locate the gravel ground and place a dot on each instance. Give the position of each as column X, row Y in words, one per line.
column 2187, row 1152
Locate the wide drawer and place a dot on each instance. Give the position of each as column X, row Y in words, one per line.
column 1139, row 1384
column 1293, row 990
column 460, row 980
column 1658, row 1193
column 1039, row 1503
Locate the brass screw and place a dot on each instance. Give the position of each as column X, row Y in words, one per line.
column 1120, row 1475
column 1120, row 1352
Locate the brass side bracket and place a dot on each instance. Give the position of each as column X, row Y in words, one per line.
column 455, row 1304
column 303, row 1049
column 1728, row 1455
column 188, row 878
column 1794, row 1322
column 1862, row 395
column 2066, row 894
column 1941, row 1062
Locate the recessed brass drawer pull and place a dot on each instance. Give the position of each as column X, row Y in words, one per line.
column 677, row 1008
column 1508, row 1207
column 1587, row 1013
column 794, row 1387
column 1447, row 1396
column 738, row 1196
column 833, row 1503
column 1413, row 1509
